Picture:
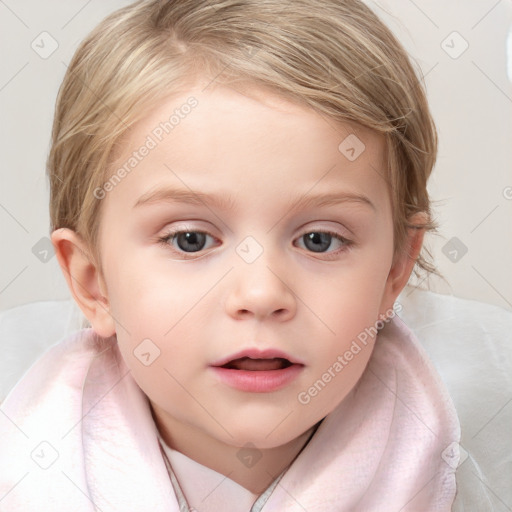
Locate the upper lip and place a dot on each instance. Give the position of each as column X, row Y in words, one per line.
column 256, row 353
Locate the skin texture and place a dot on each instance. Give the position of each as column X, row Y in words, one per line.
column 264, row 152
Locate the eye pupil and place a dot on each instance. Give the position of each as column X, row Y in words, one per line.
column 191, row 241
column 317, row 242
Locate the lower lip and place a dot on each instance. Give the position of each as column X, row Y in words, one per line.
column 258, row 381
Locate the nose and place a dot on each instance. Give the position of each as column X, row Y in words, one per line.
column 260, row 290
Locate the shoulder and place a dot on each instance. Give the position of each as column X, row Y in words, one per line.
column 28, row 331
column 41, row 421
column 61, row 366
column 470, row 345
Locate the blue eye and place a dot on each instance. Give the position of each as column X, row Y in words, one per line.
column 320, row 241
column 186, row 241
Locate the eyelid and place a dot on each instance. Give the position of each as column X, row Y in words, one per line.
column 183, row 226
column 330, row 255
column 164, row 240
column 331, row 227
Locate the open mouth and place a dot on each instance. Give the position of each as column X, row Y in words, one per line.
column 257, row 365
column 257, row 371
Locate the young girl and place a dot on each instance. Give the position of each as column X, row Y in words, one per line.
column 238, row 196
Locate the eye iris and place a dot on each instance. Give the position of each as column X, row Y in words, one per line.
column 317, row 242
column 191, row 241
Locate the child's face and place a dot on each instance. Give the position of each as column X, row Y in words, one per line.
column 254, row 281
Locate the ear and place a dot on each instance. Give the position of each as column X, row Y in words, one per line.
column 404, row 262
column 84, row 280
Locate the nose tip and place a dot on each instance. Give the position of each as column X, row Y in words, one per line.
column 259, row 292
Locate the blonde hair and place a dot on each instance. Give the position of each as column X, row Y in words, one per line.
column 334, row 56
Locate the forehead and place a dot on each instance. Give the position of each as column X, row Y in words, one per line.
column 241, row 144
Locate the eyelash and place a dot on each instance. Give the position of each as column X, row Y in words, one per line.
column 169, row 237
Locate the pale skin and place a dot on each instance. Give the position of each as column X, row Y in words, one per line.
column 265, row 153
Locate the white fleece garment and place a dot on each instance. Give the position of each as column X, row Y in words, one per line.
column 77, row 434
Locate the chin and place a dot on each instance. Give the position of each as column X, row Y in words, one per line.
column 262, row 436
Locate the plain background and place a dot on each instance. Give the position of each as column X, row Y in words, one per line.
column 463, row 47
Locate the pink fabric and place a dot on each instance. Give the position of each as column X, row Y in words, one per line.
column 205, row 489
column 77, row 433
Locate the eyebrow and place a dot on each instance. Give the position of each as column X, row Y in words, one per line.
column 192, row 197
column 197, row 198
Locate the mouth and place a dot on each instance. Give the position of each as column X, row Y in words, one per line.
column 257, row 371
column 257, row 365
column 254, row 356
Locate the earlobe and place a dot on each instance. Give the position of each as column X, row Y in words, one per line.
column 84, row 280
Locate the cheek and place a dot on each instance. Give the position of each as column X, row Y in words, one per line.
column 156, row 334
column 349, row 299
column 348, row 305
column 156, row 301
column 150, row 293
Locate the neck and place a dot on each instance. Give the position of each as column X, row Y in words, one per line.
column 251, row 467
